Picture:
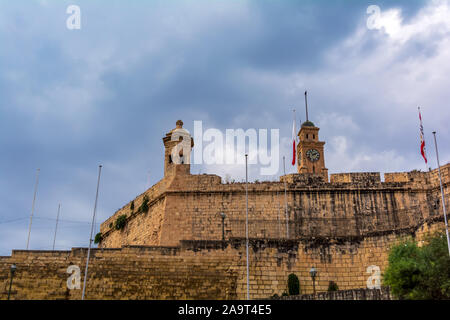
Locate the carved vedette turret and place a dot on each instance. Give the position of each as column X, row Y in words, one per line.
column 177, row 148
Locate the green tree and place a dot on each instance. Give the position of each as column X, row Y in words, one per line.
column 98, row 238
column 332, row 286
column 420, row 272
column 293, row 284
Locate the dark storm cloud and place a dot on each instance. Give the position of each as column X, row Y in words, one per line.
column 107, row 93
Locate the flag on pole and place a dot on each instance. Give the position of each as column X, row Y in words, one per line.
column 422, row 139
column 294, row 140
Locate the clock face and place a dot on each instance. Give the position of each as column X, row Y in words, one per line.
column 313, row 155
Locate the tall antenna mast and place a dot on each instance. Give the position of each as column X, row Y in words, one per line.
column 306, row 104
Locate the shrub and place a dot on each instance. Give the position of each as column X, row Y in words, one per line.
column 284, row 294
column 121, row 221
column 111, row 225
column 332, row 286
column 144, row 205
column 132, row 206
column 98, row 238
column 293, row 284
column 419, row 272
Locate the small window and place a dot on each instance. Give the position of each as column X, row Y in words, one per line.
column 314, row 136
column 306, row 136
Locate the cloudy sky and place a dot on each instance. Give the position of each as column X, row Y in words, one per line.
column 108, row 92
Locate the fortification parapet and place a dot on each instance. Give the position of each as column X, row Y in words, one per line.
column 360, row 178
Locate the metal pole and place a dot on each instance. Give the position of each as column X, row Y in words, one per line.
column 92, row 230
column 32, row 206
column 285, row 199
column 314, row 286
column 246, row 223
column 223, row 228
column 278, row 217
column 10, row 285
column 442, row 192
column 56, row 227
column 306, row 105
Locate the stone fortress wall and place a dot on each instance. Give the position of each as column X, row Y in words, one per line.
column 342, row 228
column 174, row 250
column 187, row 207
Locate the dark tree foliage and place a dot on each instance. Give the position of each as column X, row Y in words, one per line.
column 121, row 222
column 144, row 205
column 98, row 238
column 420, row 272
column 132, row 206
column 332, row 286
column 293, row 284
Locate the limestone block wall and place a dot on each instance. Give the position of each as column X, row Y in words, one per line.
column 127, row 273
column 187, row 207
column 201, row 269
column 356, row 177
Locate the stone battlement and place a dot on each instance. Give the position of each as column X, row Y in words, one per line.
column 184, row 206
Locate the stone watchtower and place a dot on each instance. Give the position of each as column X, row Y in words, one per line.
column 177, row 149
column 310, row 155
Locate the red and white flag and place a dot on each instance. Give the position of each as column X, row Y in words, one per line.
column 422, row 140
column 294, row 141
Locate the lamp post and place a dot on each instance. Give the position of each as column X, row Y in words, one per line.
column 223, row 225
column 313, row 273
column 13, row 270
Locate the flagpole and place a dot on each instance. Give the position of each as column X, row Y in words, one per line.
column 306, row 104
column 92, row 230
column 32, row 206
column 278, row 217
column 442, row 192
column 56, row 227
column 246, row 224
column 285, row 199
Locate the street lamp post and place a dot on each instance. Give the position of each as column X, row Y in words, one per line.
column 313, row 273
column 13, row 270
column 223, row 225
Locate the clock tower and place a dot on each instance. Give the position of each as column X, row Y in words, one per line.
column 310, row 156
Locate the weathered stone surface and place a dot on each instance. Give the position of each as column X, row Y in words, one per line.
column 175, row 249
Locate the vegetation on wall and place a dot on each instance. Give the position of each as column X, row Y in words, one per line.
column 132, row 206
column 144, row 205
column 98, row 238
column 420, row 272
column 332, row 286
column 293, row 284
column 121, row 221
